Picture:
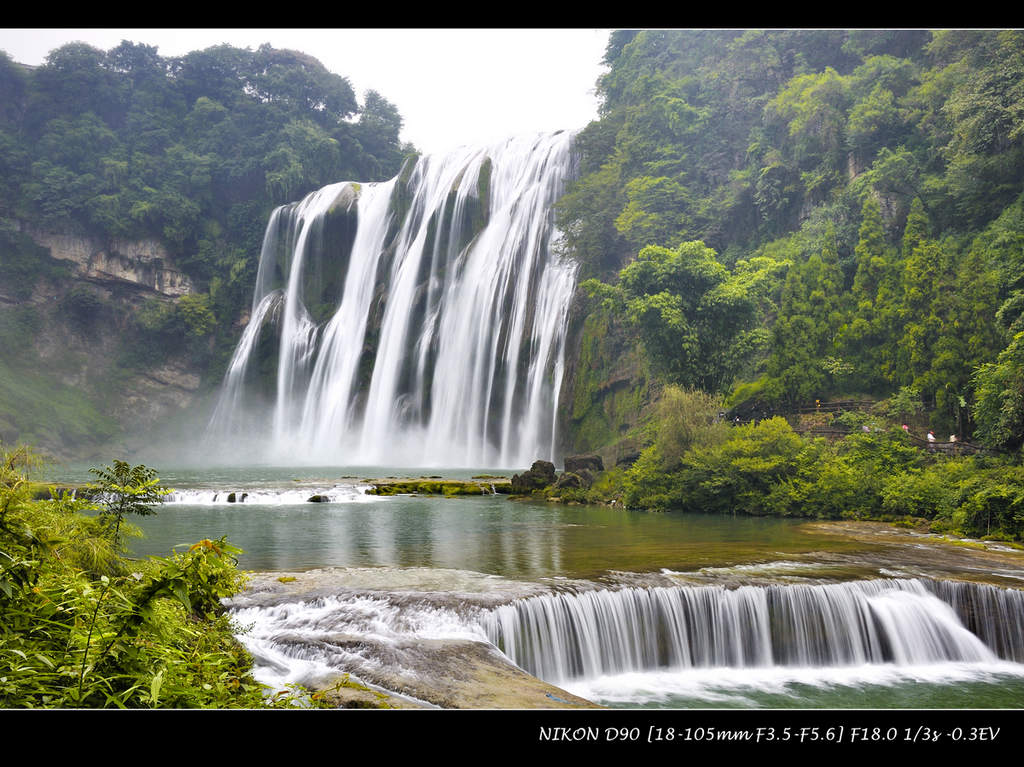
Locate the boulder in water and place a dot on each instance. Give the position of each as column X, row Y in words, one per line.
column 539, row 476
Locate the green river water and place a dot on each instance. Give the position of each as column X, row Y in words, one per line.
column 551, row 544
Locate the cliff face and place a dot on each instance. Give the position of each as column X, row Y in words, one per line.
column 607, row 389
column 74, row 383
column 144, row 265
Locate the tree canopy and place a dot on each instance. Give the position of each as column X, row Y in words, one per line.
column 191, row 150
column 875, row 178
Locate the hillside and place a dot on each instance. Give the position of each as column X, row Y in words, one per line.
column 790, row 216
column 136, row 192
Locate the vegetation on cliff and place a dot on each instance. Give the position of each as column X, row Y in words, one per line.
column 191, row 152
column 697, row 462
column 777, row 218
column 794, row 215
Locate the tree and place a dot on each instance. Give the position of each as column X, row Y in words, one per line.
column 124, row 489
column 377, row 132
column 300, row 86
column 74, row 80
column 865, row 340
column 813, row 109
column 689, row 312
column 999, row 405
column 810, row 314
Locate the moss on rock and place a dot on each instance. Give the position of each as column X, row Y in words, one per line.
column 434, row 486
column 608, row 386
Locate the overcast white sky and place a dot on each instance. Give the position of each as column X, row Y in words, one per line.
column 451, row 86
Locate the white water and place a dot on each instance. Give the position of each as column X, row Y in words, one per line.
column 337, row 493
column 634, row 645
column 446, row 343
column 560, row 637
column 304, row 642
column 865, row 686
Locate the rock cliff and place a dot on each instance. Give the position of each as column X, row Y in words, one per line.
column 143, row 263
column 77, row 379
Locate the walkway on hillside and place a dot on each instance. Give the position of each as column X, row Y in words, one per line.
column 833, row 432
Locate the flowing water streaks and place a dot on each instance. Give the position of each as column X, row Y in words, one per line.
column 448, row 307
column 902, row 622
column 708, row 642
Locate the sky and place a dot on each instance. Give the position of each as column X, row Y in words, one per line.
column 451, row 86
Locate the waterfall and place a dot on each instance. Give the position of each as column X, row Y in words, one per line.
column 565, row 636
column 879, row 629
column 416, row 322
column 995, row 615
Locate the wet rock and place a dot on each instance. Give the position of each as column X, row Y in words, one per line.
column 570, row 480
column 459, row 674
column 591, row 462
column 539, row 476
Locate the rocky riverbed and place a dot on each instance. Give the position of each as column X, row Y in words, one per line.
column 403, row 637
column 417, row 659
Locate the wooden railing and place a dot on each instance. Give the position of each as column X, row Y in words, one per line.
column 835, row 406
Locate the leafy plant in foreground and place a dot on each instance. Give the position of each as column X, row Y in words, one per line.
column 84, row 627
column 124, row 489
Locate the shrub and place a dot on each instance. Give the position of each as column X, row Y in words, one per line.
column 83, row 627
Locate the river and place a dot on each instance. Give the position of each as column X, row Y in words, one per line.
column 625, row 609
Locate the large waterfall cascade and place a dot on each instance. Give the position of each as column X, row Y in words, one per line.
column 416, row 322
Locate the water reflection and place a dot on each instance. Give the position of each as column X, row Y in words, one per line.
column 490, row 534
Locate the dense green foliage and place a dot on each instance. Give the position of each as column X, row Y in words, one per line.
column 84, row 626
column 1000, row 407
column 129, row 143
column 768, row 469
column 192, row 151
column 785, row 216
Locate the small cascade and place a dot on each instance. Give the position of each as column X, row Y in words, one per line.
column 873, row 630
column 560, row 637
column 338, row 493
column 995, row 615
column 372, row 635
column 415, row 322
